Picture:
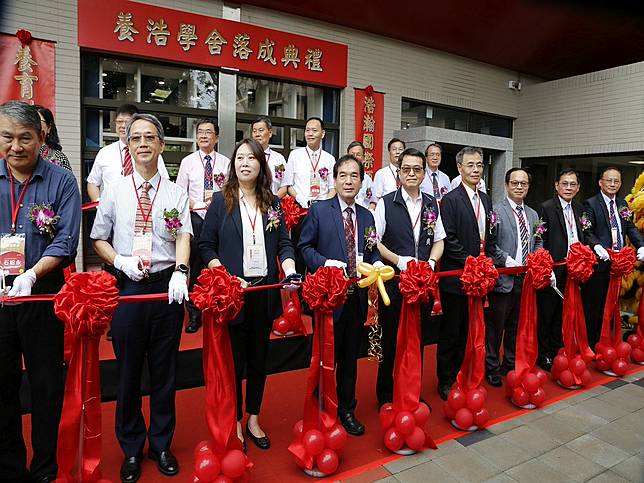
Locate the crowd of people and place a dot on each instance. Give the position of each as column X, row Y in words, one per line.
column 155, row 236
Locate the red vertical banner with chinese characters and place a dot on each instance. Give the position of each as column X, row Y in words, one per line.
column 27, row 69
column 370, row 119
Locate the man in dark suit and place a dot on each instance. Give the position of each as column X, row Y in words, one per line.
column 561, row 217
column 610, row 223
column 333, row 234
column 465, row 214
column 514, row 241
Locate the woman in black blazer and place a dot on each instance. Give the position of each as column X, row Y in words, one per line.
column 244, row 230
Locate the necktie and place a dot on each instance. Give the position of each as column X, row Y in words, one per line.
column 435, row 185
column 142, row 225
column 127, row 163
column 479, row 212
column 523, row 231
column 207, row 173
column 349, row 231
column 615, row 226
column 314, row 157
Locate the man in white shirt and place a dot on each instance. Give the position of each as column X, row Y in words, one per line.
column 114, row 160
column 386, row 179
column 366, row 197
column 436, row 183
column 262, row 131
column 201, row 174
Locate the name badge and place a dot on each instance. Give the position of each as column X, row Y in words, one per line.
column 142, row 248
column 359, row 258
column 315, row 185
column 12, row 253
column 254, row 261
column 207, row 195
column 614, row 236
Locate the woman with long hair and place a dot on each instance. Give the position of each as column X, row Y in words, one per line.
column 244, row 230
column 51, row 151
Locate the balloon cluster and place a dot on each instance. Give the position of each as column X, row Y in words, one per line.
column 404, row 428
column 570, row 371
column 290, row 321
column 323, row 447
column 613, row 359
column 231, row 467
column 637, row 344
column 527, row 391
column 467, row 408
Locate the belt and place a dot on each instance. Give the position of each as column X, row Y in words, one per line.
column 152, row 277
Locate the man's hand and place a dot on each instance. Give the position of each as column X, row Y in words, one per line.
column 178, row 288
column 640, row 254
column 130, row 267
column 403, row 261
column 601, row 253
column 23, row 284
column 335, row 263
column 511, row 263
column 294, row 280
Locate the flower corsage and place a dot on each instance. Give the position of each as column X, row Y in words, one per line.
column 324, row 173
column 279, row 171
column 625, row 213
column 429, row 222
column 443, row 191
column 43, row 216
column 220, row 179
column 539, row 229
column 493, row 219
column 172, row 221
column 371, row 237
column 272, row 219
column 585, row 222
column 368, row 194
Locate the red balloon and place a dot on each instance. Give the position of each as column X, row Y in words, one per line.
column 566, row 378
column 207, row 466
column 538, row 397
column 600, row 347
column 386, row 415
column 313, row 441
column 456, row 399
column 291, row 313
column 623, row 350
column 511, row 379
column 336, row 437
column 456, row 386
column 416, row 439
column 520, row 396
column 585, row 377
column 421, row 414
column 481, row 417
column 577, row 366
column 531, row 383
column 483, row 390
column 222, row 479
column 281, row 325
column 405, row 422
column 554, row 373
column 637, row 355
column 620, row 366
column 233, row 464
column 601, row 364
column 449, row 412
column 541, row 375
column 475, row 400
column 298, row 429
column 634, row 340
column 560, row 363
column 610, row 355
column 464, row 418
column 203, row 447
column 393, row 439
column 327, row 461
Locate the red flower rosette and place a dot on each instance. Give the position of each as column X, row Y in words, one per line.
column 403, row 422
column 612, row 353
column 479, row 276
column 580, row 262
column 636, row 341
column 318, row 438
column 524, row 385
column 85, row 304
column 220, row 297
column 24, row 36
column 293, row 212
column 368, row 91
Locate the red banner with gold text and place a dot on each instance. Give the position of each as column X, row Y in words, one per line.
column 370, row 119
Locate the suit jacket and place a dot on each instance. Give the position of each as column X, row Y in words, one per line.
column 221, row 238
column 506, row 240
column 462, row 234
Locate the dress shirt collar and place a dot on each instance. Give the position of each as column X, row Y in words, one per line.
column 607, row 200
column 407, row 197
column 138, row 180
column 122, row 145
column 563, row 202
column 318, row 151
column 39, row 170
column 470, row 191
column 433, row 172
column 344, row 206
column 513, row 205
column 212, row 154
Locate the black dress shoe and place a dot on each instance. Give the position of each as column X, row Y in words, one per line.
column 351, row 424
column 261, row 443
column 194, row 324
column 443, row 391
column 545, row 363
column 131, row 469
column 166, row 462
column 494, row 380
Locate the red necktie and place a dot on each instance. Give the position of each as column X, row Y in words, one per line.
column 128, row 169
column 141, row 224
column 349, row 231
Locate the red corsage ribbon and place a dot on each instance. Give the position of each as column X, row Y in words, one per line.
column 293, row 212
column 24, row 36
column 85, row 304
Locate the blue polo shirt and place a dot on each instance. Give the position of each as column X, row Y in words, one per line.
column 50, row 184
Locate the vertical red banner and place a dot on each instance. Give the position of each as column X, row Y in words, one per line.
column 370, row 119
column 27, row 70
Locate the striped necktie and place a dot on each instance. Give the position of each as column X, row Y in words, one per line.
column 613, row 224
column 143, row 221
column 525, row 237
column 349, row 231
column 207, row 173
column 128, row 168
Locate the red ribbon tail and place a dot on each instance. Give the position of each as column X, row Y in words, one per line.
column 407, row 363
column 473, row 368
column 526, row 348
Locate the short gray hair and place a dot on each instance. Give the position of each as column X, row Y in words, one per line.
column 145, row 117
column 23, row 114
column 468, row 150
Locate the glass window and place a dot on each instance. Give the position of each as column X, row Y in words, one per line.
column 178, row 87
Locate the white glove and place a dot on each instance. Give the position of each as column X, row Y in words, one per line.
column 640, row 254
column 335, row 263
column 130, row 267
column 432, row 264
column 553, row 279
column 378, row 264
column 178, row 288
column 511, row 262
column 601, row 252
column 22, row 284
column 403, row 261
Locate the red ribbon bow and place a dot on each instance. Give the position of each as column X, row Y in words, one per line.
column 622, row 263
column 293, row 212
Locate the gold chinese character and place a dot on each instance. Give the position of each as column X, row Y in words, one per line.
column 214, row 42
column 158, row 30
column 266, row 51
column 26, row 85
column 187, row 36
column 313, row 59
column 125, row 26
column 369, row 123
column 367, row 140
column 369, row 105
column 291, row 55
column 368, row 160
column 240, row 46
column 26, row 79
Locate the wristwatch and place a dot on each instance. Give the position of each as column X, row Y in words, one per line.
column 182, row 268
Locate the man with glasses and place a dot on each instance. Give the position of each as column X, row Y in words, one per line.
column 610, row 224
column 561, row 218
column 262, row 131
column 514, row 241
column 115, row 160
column 386, row 179
column 404, row 236
column 201, row 174
column 436, row 183
column 131, row 236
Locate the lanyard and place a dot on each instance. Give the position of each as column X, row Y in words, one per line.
column 395, row 176
column 314, row 168
column 15, row 208
column 143, row 215
column 569, row 222
column 212, row 172
column 252, row 221
column 520, row 218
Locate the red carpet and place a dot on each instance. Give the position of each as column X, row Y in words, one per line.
column 283, row 407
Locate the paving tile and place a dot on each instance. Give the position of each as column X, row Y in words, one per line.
column 577, row 398
column 558, row 406
column 579, row 418
column 556, row 429
column 636, row 376
column 505, row 426
column 639, row 382
column 532, row 415
column 501, row 453
column 474, row 437
column 501, row 478
column 535, row 471
column 632, row 469
column 632, row 389
column 602, row 409
column 428, row 471
column 622, row 436
column 597, row 390
column 622, row 399
column 407, row 462
column 531, row 440
column 446, row 448
column 368, row 476
column 608, row 476
column 571, row 464
column 389, row 479
column 615, row 384
column 467, row 466
column 597, row 450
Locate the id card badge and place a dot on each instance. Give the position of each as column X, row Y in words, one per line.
column 12, row 253
column 359, row 258
column 315, row 185
column 614, row 234
column 482, row 243
column 207, row 195
column 255, row 259
column 142, row 248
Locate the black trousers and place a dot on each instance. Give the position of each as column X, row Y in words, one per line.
column 452, row 338
column 31, row 330
column 196, row 264
column 549, row 310
column 501, row 319
column 594, row 293
column 347, row 333
column 249, row 340
column 149, row 330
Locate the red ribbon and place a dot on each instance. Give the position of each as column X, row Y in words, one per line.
column 622, row 263
column 323, row 291
column 640, row 317
column 537, row 278
column 292, row 212
column 85, row 304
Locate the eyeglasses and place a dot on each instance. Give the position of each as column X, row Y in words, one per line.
column 612, row 181
column 571, row 184
column 523, row 184
column 207, row 132
column 409, row 169
column 148, row 138
column 472, row 166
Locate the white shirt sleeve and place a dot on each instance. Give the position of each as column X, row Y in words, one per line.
column 378, row 184
column 95, row 176
column 379, row 218
column 162, row 169
column 288, row 172
column 439, row 230
column 183, row 180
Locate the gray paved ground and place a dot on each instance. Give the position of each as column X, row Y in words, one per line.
column 596, row 436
